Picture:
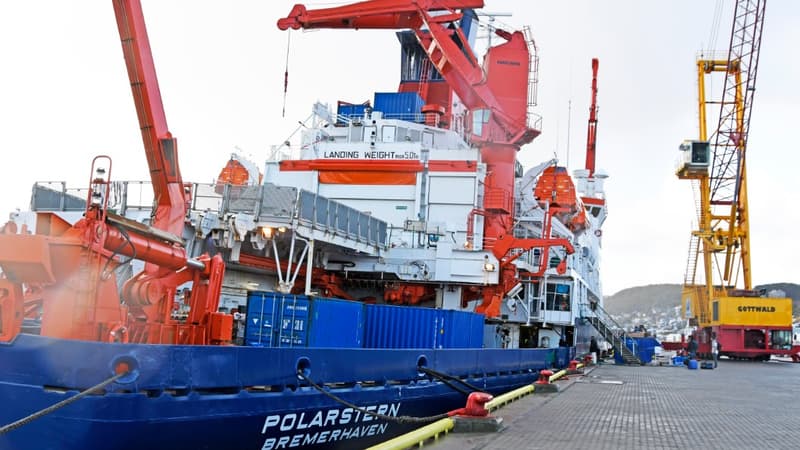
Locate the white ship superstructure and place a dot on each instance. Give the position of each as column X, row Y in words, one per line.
column 393, row 209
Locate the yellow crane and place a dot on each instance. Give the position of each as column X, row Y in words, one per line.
column 717, row 295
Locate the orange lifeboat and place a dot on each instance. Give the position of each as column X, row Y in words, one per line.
column 239, row 172
column 555, row 187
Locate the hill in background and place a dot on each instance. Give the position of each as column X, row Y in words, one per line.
column 643, row 299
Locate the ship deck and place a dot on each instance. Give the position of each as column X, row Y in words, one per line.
column 739, row 405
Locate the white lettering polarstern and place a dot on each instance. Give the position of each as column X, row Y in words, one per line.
column 348, row 423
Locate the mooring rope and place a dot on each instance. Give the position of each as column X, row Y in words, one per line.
column 445, row 378
column 398, row 419
column 25, row 420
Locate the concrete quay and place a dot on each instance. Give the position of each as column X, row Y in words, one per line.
column 739, row 405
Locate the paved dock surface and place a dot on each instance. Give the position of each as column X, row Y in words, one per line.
column 739, row 405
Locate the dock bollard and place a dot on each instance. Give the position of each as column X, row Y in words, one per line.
column 543, row 384
column 475, row 406
column 544, row 377
column 475, row 417
column 575, row 367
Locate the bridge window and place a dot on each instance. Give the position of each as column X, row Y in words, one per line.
column 557, row 297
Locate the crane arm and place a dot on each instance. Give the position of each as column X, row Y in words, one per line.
column 496, row 93
column 380, row 14
column 591, row 138
column 159, row 145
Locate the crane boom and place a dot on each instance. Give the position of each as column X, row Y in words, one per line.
column 160, row 147
column 728, row 181
column 730, row 137
column 501, row 91
column 591, row 137
column 370, row 14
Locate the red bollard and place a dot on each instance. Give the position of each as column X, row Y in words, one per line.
column 475, row 417
column 544, row 377
column 475, row 406
column 573, row 368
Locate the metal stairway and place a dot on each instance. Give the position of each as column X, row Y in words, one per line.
column 695, row 244
column 613, row 333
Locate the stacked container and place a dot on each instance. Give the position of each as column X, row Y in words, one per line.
column 400, row 105
column 285, row 320
column 412, row 327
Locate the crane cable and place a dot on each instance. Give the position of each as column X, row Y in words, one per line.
column 713, row 35
column 286, row 72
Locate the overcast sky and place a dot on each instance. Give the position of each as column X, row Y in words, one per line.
column 64, row 97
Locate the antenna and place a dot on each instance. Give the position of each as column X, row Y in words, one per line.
column 569, row 126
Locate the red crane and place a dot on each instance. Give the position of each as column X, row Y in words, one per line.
column 72, row 268
column 495, row 93
column 160, row 147
column 591, row 137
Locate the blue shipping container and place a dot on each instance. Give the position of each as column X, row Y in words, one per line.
column 283, row 320
column 462, row 330
column 400, row 105
column 336, row 323
column 644, row 348
column 399, row 327
column 276, row 320
column 350, row 111
column 388, row 326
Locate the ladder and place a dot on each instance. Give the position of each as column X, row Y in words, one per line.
column 691, row 261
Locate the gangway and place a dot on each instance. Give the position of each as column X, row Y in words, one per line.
column 612, row 332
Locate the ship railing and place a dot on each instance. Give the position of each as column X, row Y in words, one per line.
column 55, row 196
column 347, row 119
column 611, row 330
column 138, row 195
column 264, row 202
column 359, row 119
column 270, row 202
column 534, row 121
column 337, row 219
column 598, row 311
column 123, row 196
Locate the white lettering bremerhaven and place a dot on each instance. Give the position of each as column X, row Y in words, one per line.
column 339, row 418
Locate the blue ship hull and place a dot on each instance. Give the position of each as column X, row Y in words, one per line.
column 207, row 397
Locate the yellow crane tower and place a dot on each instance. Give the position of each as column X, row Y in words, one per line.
column 747, row 323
